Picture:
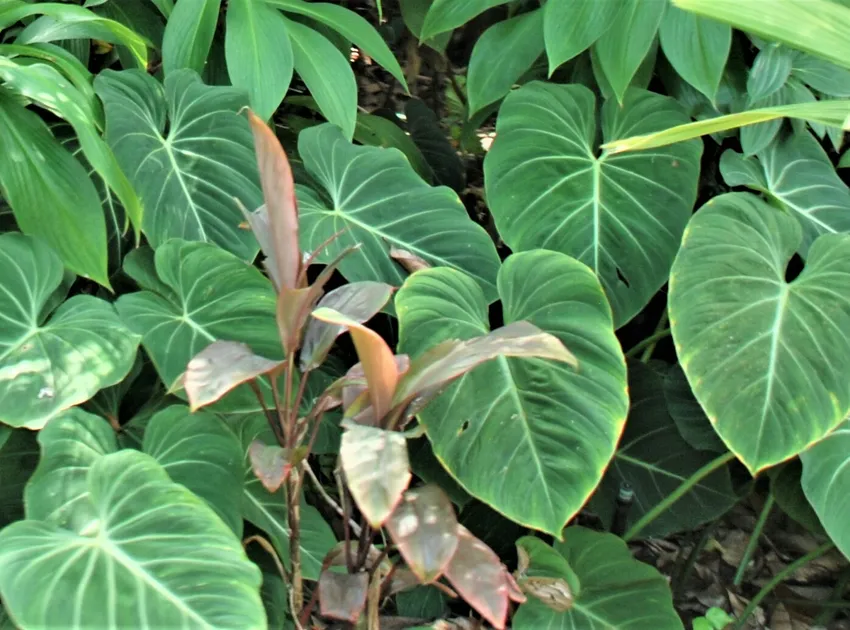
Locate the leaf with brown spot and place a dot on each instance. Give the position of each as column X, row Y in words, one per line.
column 424, row 528
column 480, row 578
column 411, row 262
column 279, row 193
column 376, row 467
column 342, row 596
column 375, row 355
column 358, row 300
column 219, row 368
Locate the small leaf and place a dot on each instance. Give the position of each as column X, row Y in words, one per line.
column 424, row 529
column 343, row 596
column 358, row 300
column 411, row 262
column 272, row 464
column 376, row 468
column 219, row 368
column 481, row 579
column 771, row 69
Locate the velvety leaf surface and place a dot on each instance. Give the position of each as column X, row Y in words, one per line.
column 186, row 152
column 48, row 364
column 530, row 437
column 622, row 215
column 765, row 357
column 654, row 460
column 380, row 199
column 617, row 591
column 108, row 570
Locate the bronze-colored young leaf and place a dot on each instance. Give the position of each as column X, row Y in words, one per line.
column 258, row 222
column 293, row 306
column 220, row 367
column 410, row 261
column 342, row 596
column 377, row 469
column 355, row 405
column 424, row 529
column 272, row 464
column 375, row 355
column 452, row 359
column 279, row 193
column 481, row 579
column 358, row 300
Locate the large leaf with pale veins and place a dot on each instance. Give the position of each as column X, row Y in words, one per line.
column 50, row 364
column 654, row 460
column 530, row 437
column 797, row 173
column 766, row 358
column 187, row 152
column 108, row 569
column 622, row 215
column 826, row 483
column 616, row 590
column 379, row 198
column 210, row 295
column 267, row 510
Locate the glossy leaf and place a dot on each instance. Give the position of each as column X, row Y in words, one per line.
column 435, row 225
column 691, row 421
column 189, row 34
column 350, row 26
column 327, row 74
column 572, row 26
column 623, row 47
column 376, row 469
column 267, row 510
column 447, row 15
column 654, row 460
column 343, row 596
column 480, row 578
column 424, row 529
column 157, row 135
column 822, row 75
column 736, row 320
column 530, row 437
column 796, row 173
column 281, row 207
column 501, row 55
column 771, row 69
column 208, row 290
column 258, row 53
column 696, row 47
column 50, row 192
column 623, row 218
column 826, row 474
column 48, row 364
column 359, row 301
column 119, row 550
column 617, row 591
column 219, row 368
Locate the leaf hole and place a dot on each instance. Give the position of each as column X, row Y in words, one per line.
column 463, row 428
column 795, row 266
column 623, row 278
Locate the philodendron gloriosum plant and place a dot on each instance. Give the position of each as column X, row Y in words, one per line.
column 461, row 376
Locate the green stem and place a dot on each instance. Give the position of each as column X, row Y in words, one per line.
column 662, row 325
column 754, row 539
column 653, row 339
column 677, row 494
column 777, row 579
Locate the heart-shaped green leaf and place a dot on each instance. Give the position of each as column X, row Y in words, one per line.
column 654, row 460
column 109, row 569
column 617, row 591
column 766, row 358
column 187, row 153
column 797, row 173
column 49, row 366
column 623, row 218
column 530, row 437
column 382, row 202
column 209, row 291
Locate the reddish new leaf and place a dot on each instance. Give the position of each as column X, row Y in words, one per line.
column 220, row 367
column 358, row 300
column 424, row 529
column 342, row 596
column 272, row 464
column 411, row 262
column 279, row 193
column 355, row 404
column 375, row 355
column 377, row 469
column 481, row 579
